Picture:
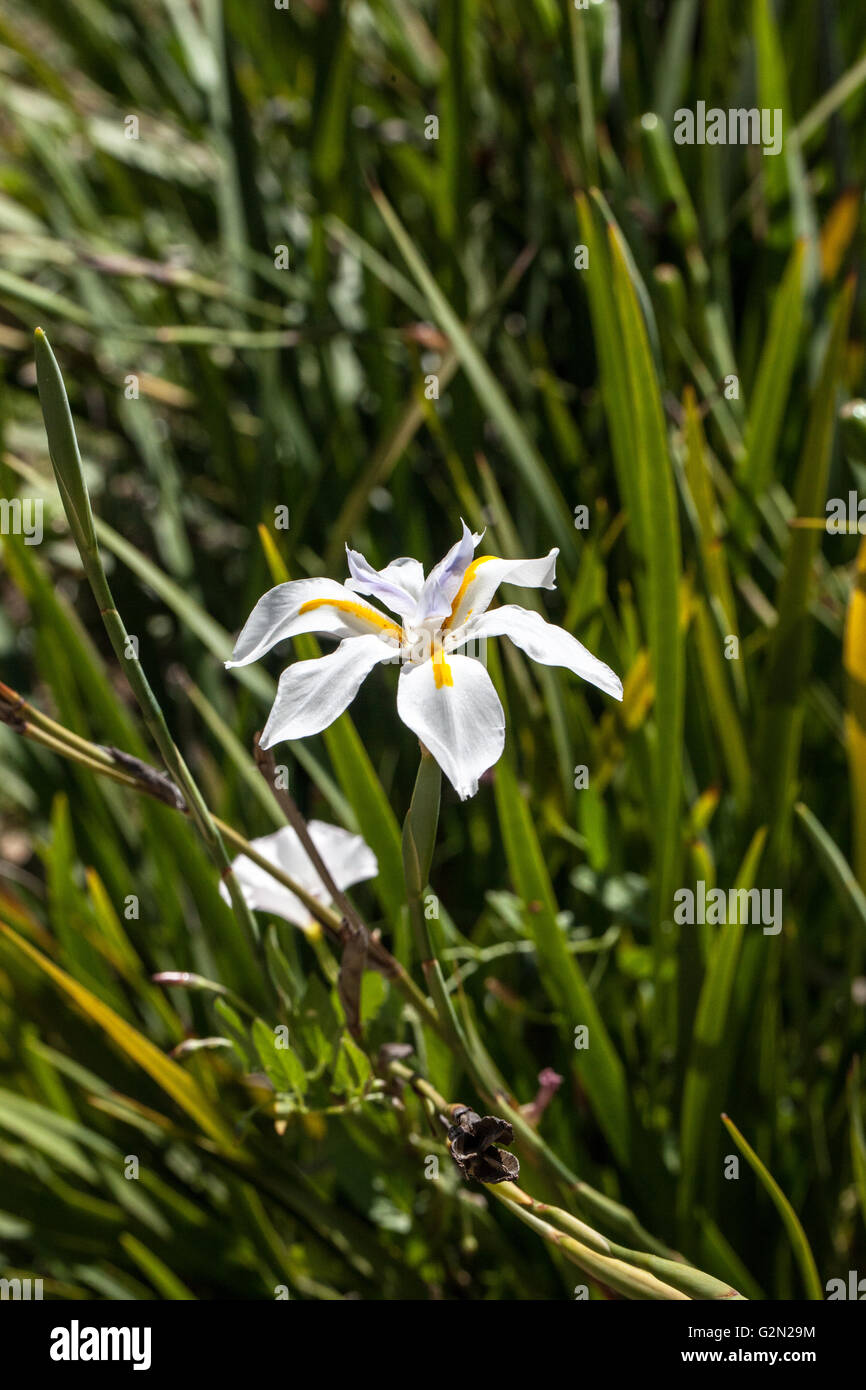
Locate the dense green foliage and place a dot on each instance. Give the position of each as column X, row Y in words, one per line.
column 250, row 260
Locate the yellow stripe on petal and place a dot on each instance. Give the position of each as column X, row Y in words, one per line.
column 471, row 571
column 358, row 610
column 441, row 670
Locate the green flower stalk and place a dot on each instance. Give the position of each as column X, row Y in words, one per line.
column 419, row 839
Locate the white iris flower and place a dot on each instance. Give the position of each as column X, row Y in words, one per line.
column 446, row 698
column 347, row 858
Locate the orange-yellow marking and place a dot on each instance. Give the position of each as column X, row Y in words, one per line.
column 345, row 605
column 471, row 571
column 441, row 670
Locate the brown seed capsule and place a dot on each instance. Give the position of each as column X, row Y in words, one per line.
column 472, row 1140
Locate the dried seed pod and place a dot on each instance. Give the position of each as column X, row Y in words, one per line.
column 472, row 1141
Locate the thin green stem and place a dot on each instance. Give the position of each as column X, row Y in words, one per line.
column 613, row 1273
column 419, row 838
column 66, row 461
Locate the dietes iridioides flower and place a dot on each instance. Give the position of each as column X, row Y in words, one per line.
column 346, row 857
column 446, row 698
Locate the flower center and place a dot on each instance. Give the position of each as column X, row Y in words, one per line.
column 429, row 642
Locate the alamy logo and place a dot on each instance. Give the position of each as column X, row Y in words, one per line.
column 845, row 517
column 22, row 517
column 718, row 908
column 420, row 646
column 737, row 126
column 76, row 1343
column 855, row 1288
column 21, row 1289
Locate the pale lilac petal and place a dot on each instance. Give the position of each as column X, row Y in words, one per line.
column 329, row 608
column 462, row 724
column 543, row 642
column 398, row 585
column 312, row 694
column 407, row 573
column 444, row 580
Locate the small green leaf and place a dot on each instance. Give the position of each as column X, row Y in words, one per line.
column 802, row 1250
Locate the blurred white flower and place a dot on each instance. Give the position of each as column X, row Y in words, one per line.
column 346, row 856
column 447, row 699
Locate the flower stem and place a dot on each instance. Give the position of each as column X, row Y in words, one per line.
column 419, row 839
column 354, row 935
column 615, row 1274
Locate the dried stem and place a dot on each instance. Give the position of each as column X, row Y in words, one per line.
column 353, row 931
column 286, row 802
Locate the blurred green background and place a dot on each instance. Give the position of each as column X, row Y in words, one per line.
column 252, row 248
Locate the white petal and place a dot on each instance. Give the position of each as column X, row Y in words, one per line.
column 544, row 642
column 462, row 724
column 330, row 608
column 262, row 892
column 347, row 857
column 485, row 574
column 398, row 585
column 406, row 572
column 444, row 580
column 312, row 694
